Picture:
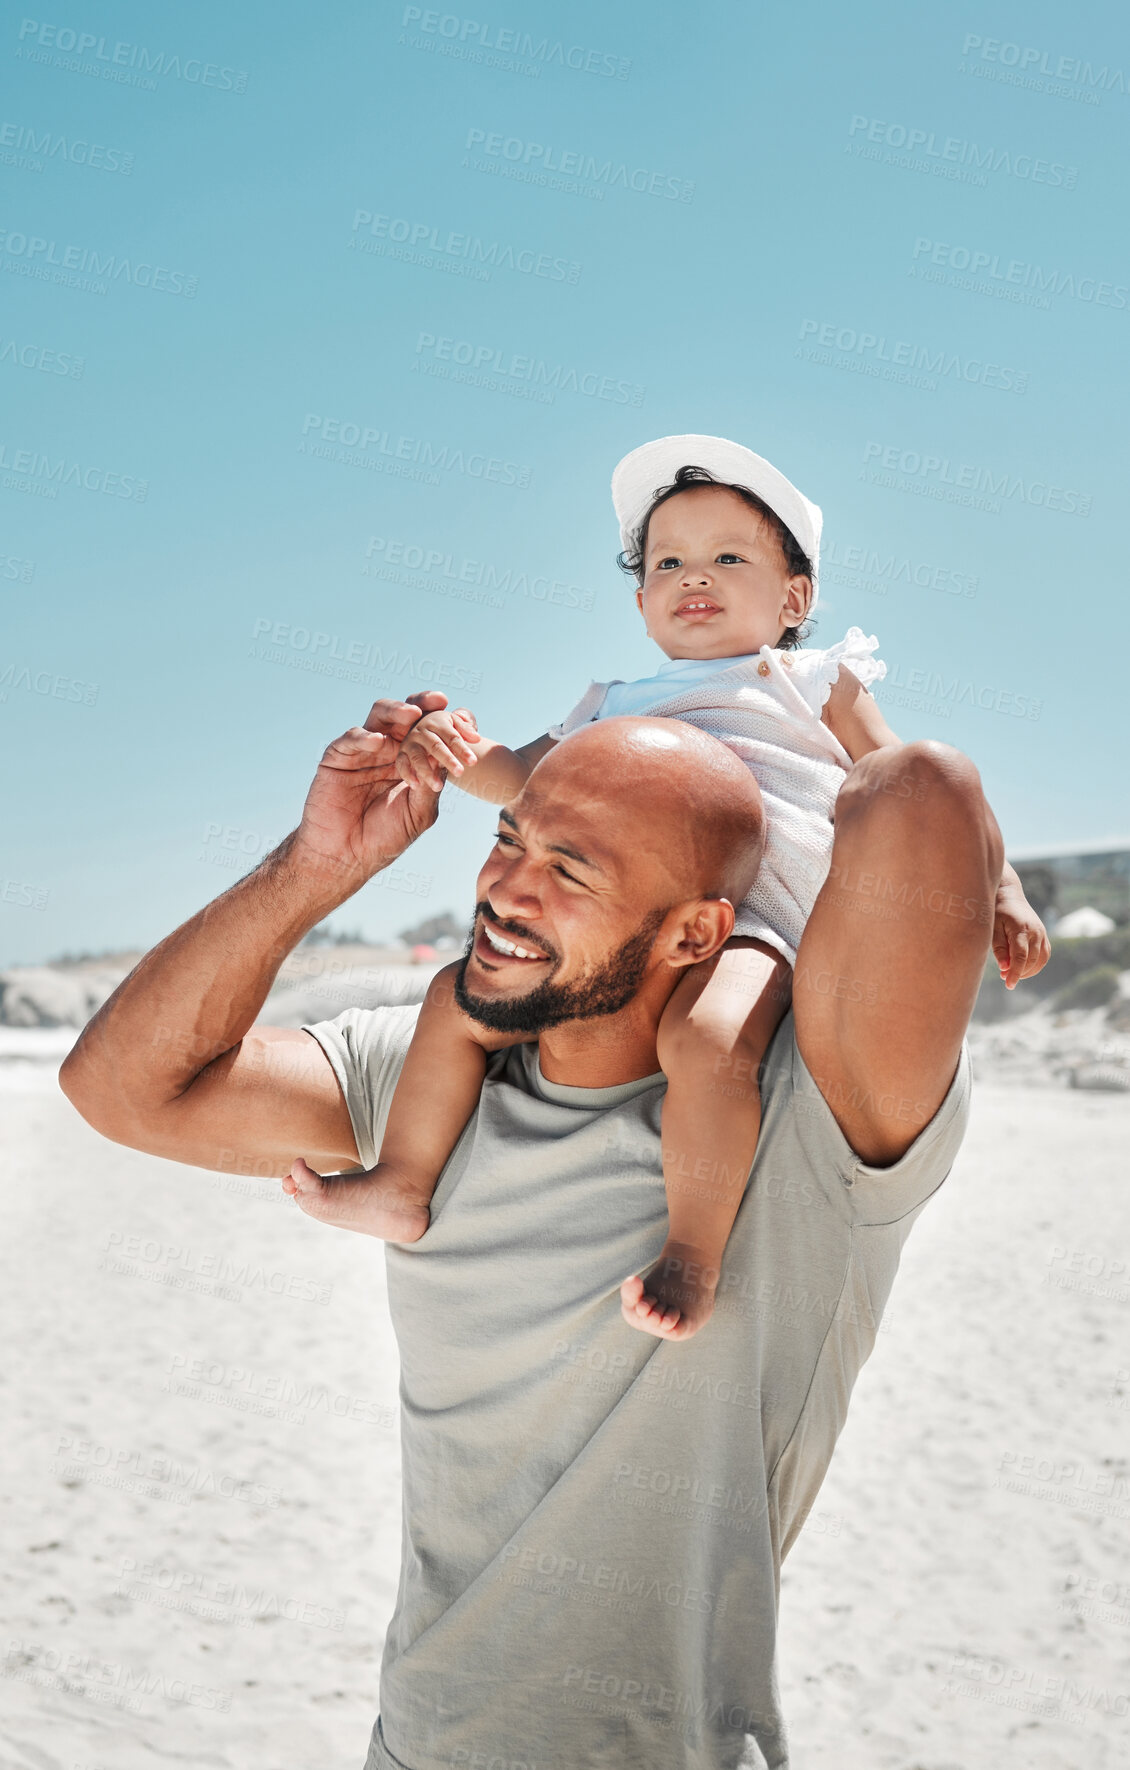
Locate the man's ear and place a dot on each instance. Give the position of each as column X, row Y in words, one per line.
column 699, row 930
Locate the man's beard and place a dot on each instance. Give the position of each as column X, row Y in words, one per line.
column 604, row 990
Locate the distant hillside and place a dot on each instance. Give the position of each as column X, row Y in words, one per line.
column 1099, row 967
column 1063, row 882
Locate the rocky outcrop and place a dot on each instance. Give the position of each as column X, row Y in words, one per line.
column 291, row 1003
column 311, row 985
column 45, row 995
column 1077, row 1048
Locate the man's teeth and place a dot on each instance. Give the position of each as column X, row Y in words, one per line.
column 508, row 946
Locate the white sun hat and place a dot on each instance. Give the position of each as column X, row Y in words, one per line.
column 653, row 465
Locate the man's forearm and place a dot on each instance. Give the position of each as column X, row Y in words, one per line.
column 195, row 995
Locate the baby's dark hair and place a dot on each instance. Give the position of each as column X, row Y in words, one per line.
column 797, row 562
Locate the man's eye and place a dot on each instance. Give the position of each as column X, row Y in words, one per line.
column 565, row 875
column 504, row 836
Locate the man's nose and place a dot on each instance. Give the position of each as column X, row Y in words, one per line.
column 513, row 894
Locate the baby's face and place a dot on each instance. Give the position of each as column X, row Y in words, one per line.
column 715, row 580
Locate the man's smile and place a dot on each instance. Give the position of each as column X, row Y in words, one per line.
column 508, row 947
column 495, row 950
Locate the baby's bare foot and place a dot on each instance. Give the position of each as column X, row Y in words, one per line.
column 675, row 1298
column 374, row 1203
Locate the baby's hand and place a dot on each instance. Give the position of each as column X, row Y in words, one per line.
column 438, row 744
column 1020, row 941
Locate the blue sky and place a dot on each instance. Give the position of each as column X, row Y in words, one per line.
column 880, row 245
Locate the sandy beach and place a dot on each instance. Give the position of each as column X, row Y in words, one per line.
column 201, row 1505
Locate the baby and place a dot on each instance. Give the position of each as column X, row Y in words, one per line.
column 724, row 551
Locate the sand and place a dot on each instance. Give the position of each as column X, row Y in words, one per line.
column 967, row 1605
column 201, row 1504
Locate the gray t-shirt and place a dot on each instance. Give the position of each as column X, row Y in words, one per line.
column 594, row 1520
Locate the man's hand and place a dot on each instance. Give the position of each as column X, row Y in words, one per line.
column 1020, row 941
column 174, row 1062
column 438, row 744
column 361, row 813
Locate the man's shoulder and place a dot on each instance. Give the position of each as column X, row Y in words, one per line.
column 366, row 1048
column 800, row 1129
column 370, row 1033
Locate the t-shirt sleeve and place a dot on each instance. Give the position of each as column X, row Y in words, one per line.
column 813, row 672
column 872, row 1194
column 366, row 1048
column 585, row 710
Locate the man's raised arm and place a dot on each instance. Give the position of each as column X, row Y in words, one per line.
column 173, row 1063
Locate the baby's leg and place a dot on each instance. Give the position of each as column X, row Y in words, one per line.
column 435, row 1096
column 712, row 1038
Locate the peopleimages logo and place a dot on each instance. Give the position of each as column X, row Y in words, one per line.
column 26, row 139
column 113, row 1683
column 419, row 241
column 48, row 475
column 540, row 156
column 364, row 445
column 1032, row 67
column 436, row 672
column 874, row 349
column 929, row 691
column 1019, row 273
column 60, row 688
column 35, row 254
column 856, row 567
column 38, row 356
column 477, row 34
column 1033, row 1691
column 469, row 580
column 112, row 63
column 941, row 476
column 481, row 364
column 957, row 151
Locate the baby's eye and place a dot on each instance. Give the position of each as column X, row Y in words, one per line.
column 729, row 559
column 669, row 562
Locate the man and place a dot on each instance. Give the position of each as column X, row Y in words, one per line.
column 594, row 1520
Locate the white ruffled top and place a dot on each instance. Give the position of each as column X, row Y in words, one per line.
column 767, row 708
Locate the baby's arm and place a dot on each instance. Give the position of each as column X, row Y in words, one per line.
column 435, row 1095
column 851, row 714
column 1020, row 940
column 436, row 1092
column 448, row 745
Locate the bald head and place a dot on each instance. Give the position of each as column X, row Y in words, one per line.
column 613, row 868
column 672, row 788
